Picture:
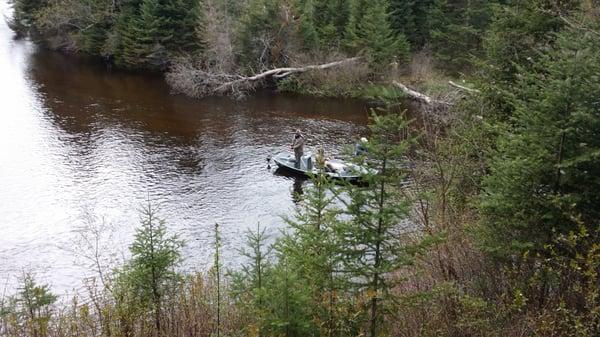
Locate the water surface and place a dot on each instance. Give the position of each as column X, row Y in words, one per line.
column 78, row 140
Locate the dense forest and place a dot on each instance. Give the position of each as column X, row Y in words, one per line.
column 481, row 221
column 202, row 44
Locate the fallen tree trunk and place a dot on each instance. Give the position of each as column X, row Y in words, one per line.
column 415, row 95
column 279, row 73
column 469, row 90
column 198, row 81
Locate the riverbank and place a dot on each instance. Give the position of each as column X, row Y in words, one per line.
column 202, row 47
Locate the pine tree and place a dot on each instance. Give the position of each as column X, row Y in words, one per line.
column 308, row 27
column 543, row 179
column 331, row 17
column 142, row 37
column 511, row 45
column 150, row 274
column 260, row 34
column 250, row 283
column 25, row 11
column 455, row 30
column 200, row 42
column 287, row 302
column 409, row 18
column 372, row 236
column 369, row 33
column 311, row 250
column 102, row 18
column 31, row 306
column 182, row 19
column 157, row 29
column 322, row 23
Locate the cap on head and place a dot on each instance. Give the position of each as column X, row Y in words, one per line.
column 363, row 140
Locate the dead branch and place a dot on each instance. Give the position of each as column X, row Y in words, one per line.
column 280, row 73
column 469, row 90
column 573, row 24
column 200, row 81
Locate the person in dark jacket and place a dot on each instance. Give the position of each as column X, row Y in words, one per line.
column 361, row 147
column 298, row 147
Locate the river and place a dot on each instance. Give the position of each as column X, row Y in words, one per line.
column 79, row 141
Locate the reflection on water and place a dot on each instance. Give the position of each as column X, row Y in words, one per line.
column 296, row 190
column 78, row 138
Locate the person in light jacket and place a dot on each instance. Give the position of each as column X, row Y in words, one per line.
column 298, row 147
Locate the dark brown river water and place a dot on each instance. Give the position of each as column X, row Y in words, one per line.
column 78, row 140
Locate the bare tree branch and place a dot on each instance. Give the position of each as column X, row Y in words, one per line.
column 185, row 78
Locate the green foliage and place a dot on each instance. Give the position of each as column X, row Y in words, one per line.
column 369, row 33
column 248, row 284
column 322, row 23
column 311, row 249
column 455, row 30
column 25, row 11
column 155, row 30
column 409, row 18
column 511, row 45
column 372, row 240
column 31, row 307
column 287, row 303
column 572, row 270
column 544, row 176
column 217, row 273
column 94, row 35
column 150, row 274
column 308, row 28
column 262, row 34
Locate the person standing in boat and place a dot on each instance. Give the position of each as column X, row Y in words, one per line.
column 298, row 147
column 361, row 147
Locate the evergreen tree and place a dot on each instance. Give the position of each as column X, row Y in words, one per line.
column 311, row 250
column 261, row 35
column 30, row 306
column 25, row 11
column 455, row 30
column 331, row 17
column 102, row 18
column 157, row 29
column 249, row 284
column 287, row 302
column 150, row 275
column 371, row 238
column 544, row 177
column 369, row 33
column 409, row 18
column 512, row 44
column 138, row 27
column 199, row 41
column 182, row 20
column 322, row 23
column 308, row 27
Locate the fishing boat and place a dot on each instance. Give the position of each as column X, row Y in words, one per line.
column 336, row 169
